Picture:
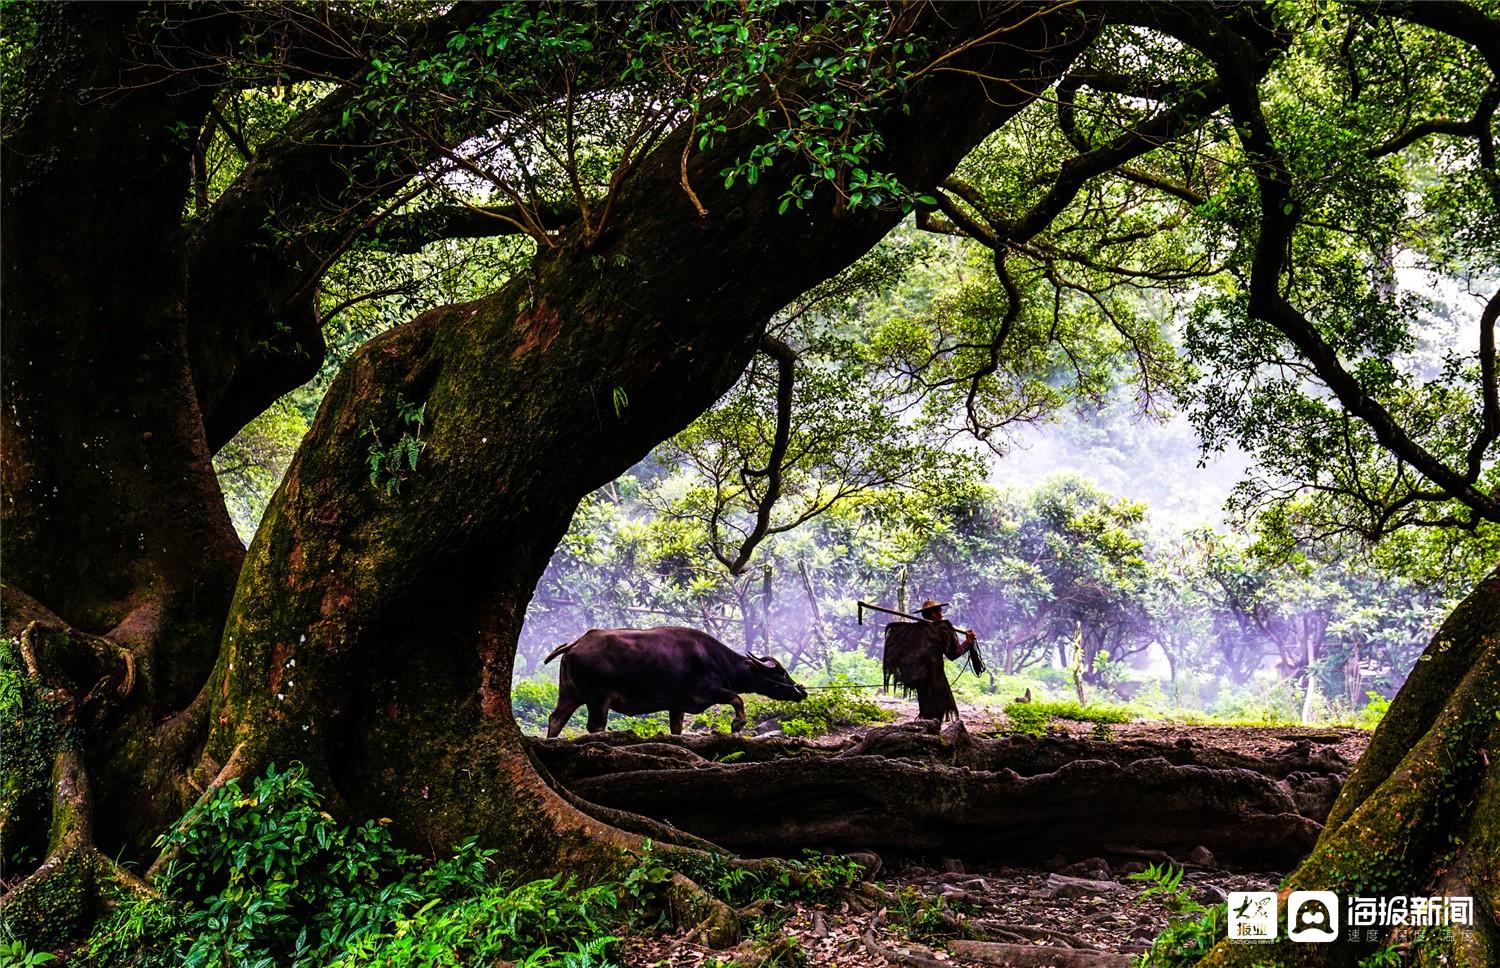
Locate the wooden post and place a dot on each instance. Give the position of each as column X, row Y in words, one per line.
column 747, row 620
column 765, row 609
column 825, row 654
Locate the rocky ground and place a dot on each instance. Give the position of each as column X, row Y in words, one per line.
column 1017, row 905
column 1068, row 913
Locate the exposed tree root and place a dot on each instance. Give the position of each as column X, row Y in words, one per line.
column 910, row 957
column 64, row 894
column 60, row 657
column 230, row 770
column 638, row 824
column 1024, row 932
column 908, row 790
column 715, row 923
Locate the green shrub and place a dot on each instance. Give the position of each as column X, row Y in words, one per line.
column 532, row 701
column 799, row 728
column 1033, row 718
column 540, row 923
column 1028, row 718
column 265, row 877
column 1090, row 713
column 1374, row 710
column 645, row 726
column 1192, row 929
column 825, row 709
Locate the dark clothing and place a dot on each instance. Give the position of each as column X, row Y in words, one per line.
column 914, row 654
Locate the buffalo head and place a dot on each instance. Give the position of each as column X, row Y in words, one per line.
column 768, row 678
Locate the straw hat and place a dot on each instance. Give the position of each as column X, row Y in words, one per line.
column 930, row 604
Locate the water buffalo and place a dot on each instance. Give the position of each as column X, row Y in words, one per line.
column 678, row 670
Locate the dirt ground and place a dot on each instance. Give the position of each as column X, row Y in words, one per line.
column 1250, row 740
column 1010, row 904
column 1016, row 901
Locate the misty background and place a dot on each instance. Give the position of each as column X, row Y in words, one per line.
column 1096, row 548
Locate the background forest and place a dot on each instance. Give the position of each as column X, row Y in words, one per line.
column 1094, row 521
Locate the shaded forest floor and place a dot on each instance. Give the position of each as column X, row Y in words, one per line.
column 1007, row 902
column 1090, row 905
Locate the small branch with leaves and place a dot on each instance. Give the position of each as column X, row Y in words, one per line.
column 392, row 464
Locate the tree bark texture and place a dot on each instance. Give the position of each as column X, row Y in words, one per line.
column 370, row 634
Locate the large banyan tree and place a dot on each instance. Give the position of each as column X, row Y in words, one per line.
column 180, row 182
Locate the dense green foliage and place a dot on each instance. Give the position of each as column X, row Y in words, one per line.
column 265, row 876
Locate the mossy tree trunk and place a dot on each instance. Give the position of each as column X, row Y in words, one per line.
column 370, row 634
column 1420, row 815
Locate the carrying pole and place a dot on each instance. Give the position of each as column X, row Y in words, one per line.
column 861, row 606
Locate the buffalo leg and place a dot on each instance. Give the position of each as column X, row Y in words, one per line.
column 676, row 722
column 598, row 716
column 566, row 704
column 733, row 699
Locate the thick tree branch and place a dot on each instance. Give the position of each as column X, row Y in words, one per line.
column 255, row 261
column 1422, row 130
column 1076, row 172
column 1489, row 392
column 412, row 232
column 1279, row 213
column 765, row 504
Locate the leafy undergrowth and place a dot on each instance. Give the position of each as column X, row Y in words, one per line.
column 265, row 877
column 1033, row 718
column 1193, row 927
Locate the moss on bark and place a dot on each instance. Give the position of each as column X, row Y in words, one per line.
column 372, row 633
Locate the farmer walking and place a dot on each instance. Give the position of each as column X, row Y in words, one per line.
column 914, row 654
